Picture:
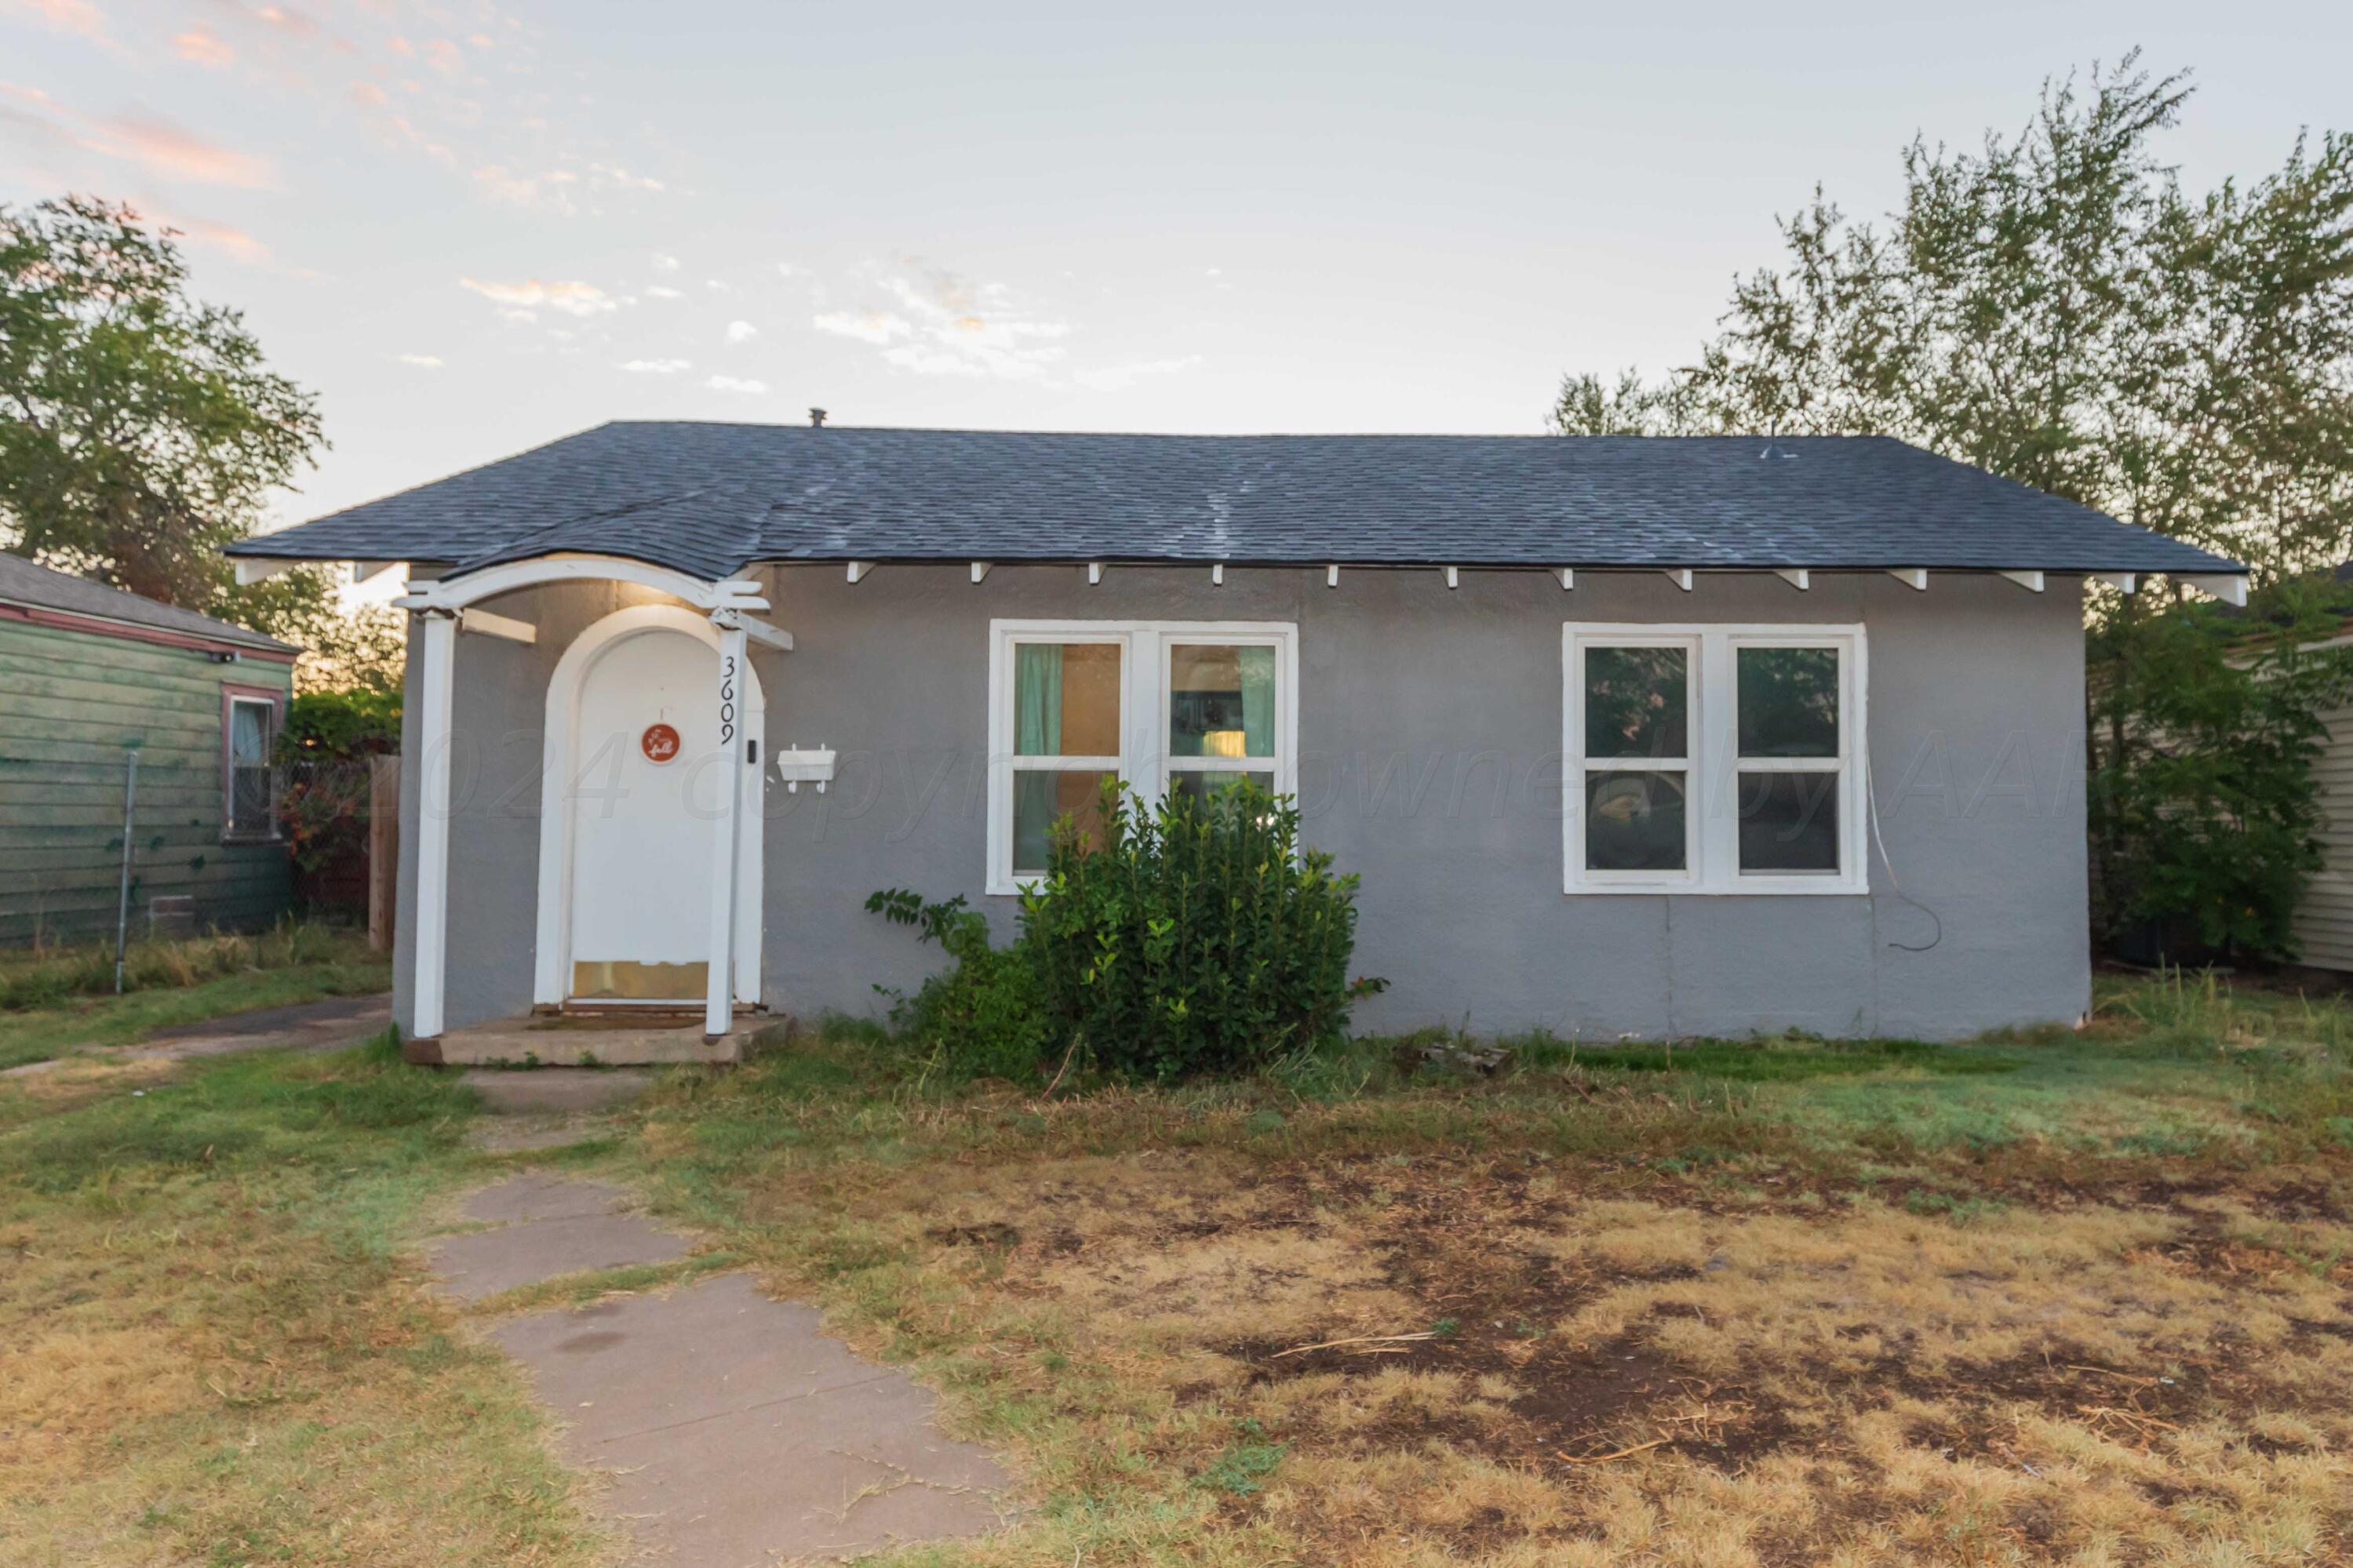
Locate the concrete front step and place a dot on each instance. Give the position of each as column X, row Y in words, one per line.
column 601, row 1040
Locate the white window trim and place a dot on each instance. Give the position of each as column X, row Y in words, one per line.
column 1142, row 760
column 269, row 831
column 1712, row 847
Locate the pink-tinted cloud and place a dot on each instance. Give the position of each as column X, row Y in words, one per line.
column 367, row 95
column 155, row 145
column 166, row 149
column 205, row 49
column 79, row 18
column 286, row 19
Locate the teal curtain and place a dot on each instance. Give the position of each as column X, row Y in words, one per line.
column 1258, row 701
column 1037, row 733
column 1037, row 699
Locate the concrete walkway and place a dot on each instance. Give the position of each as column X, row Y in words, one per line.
column 732, row 1432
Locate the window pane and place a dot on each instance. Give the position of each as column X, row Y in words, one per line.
column 1789, row 702
column 1198, row 785
column 1066, row 700
column 248, row 800
column 1789, row 821
column 249, row 733
column 1636, row 702
column 1634, row 822
column 1039, row 799
column 1221, row 702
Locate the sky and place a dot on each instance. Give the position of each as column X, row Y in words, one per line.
column 473, row 226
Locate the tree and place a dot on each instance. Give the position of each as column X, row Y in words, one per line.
column 139, row 429
column 2054, row 308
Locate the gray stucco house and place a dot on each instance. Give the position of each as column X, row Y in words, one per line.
column 1626, row 736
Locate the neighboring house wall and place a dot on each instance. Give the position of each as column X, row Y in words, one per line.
column 2324, row 919
column 71, row 704
column 1429, row 736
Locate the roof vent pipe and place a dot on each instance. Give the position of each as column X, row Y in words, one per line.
column 817, row 418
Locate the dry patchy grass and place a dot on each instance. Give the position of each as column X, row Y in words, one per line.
column 2043, row 1300
column 214, row 1349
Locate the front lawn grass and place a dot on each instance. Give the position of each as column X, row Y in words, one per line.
column 2041, row 1298
column 213, row 1345
column 2048, row 1297
column 54, row 1004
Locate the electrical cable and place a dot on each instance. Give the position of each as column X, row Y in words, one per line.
column 1871, row 812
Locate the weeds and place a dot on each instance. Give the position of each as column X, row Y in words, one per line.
column 46, row 979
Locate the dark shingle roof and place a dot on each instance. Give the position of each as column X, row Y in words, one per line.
column 24, row 582
column 709, row 499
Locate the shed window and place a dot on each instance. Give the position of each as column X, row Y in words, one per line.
column 251, row 728
column 1714, row 759
column 1158, row 705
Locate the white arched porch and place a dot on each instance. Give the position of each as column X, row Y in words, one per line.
column 440, row 609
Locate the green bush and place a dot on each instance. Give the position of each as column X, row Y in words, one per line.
column 1196, row 937
column 981, row 1017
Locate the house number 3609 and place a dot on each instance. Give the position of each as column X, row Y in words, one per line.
column 726, row 699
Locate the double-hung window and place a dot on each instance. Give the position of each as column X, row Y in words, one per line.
column 1159, row 705
column 1714, row 759
column 249, row 784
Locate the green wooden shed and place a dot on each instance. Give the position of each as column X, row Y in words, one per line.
column 89, row 675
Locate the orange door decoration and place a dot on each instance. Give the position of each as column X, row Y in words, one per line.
column 660, row 742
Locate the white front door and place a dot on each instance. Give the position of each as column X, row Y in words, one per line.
column 645, row 789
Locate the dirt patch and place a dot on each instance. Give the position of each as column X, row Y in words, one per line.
column 1572, row 1403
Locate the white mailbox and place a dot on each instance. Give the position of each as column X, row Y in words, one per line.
column 798, row 765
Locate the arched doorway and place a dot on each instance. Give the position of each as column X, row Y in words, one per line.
column 628, row 801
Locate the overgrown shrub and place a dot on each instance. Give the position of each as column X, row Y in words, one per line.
column 982, row 1015
column 1193, row 937
column 2204, row 797
column 1196, row 937
column 325, row 789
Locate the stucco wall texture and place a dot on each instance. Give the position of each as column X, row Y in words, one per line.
column 1429, row 728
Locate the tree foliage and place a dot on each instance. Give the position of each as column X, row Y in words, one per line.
column 140, row 431
column 2055, row 308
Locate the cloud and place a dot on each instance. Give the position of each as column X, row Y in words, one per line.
column 225, row 237
column 157, row 146
column 742, row 331
column 665, row 263
column 788, row 270
column 944, row 325
column 614, row 174
column 79, row 18
column 531, row 294
column 660, row 291
column 286, row 19
column 367, row 95
column 735, row 384
column 1118, row 378
column 206, row 50
column 656, row 366
column 166, row 149
column 496, row 180
column 422, row 361
column 866, row 326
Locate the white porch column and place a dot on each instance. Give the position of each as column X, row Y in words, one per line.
column 435, row 694
column 719, row 1001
